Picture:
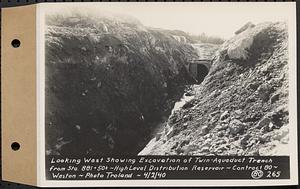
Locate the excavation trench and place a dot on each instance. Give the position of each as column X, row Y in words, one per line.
column 109, row 84
column 183, row 102
column 79, row 123
column 111, row 101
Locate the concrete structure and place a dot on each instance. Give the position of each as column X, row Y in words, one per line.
column 199, row 68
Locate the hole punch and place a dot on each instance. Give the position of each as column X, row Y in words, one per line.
column 16, row 43
column 15, row 146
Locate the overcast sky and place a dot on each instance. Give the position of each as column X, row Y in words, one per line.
column 216, row 19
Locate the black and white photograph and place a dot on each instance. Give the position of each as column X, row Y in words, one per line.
column 115, row 86
column 171, row 80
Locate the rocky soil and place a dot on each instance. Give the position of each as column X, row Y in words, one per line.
column 109, row 82
column 241, row 108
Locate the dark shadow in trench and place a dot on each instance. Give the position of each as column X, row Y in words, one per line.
column 202, row 72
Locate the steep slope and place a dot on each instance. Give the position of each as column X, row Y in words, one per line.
column 241, row 108
column 109, row 81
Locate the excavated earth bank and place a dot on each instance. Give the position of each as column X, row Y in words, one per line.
column 109, row 82
column 241, row 107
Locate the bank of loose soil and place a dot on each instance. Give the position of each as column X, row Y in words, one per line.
column 241, row 108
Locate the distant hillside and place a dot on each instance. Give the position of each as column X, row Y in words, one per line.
column 204, row 38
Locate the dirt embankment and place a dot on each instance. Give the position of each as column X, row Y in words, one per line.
column 109, row 81
column 241, row 108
